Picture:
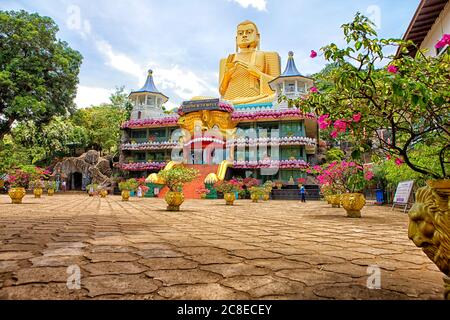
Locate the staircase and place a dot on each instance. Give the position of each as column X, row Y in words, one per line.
column 189, row 189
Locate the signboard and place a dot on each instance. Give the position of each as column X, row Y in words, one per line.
column 403, row 193
column 198, row 105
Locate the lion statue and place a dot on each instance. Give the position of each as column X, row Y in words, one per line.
column 429, row 229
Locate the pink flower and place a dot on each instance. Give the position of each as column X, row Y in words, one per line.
column 392, row 69
column 340, row 125
column 313, row 54
column 399, row 161
column 357, row 117
column 388, row 157
column 368, row 175
column 334, row 134
column 443, row 42
column 323, row 121
column 314, row 90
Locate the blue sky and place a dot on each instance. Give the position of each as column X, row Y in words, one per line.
column 183, row 41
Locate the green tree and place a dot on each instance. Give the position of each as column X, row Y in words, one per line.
column 103, row 126
column 38, row 72
column 400, row 106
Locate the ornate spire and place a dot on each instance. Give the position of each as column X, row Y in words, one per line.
column 149, row 86
column 291, row 69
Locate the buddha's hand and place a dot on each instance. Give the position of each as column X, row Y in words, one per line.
column 251, row 68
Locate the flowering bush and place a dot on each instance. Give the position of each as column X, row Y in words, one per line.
column 250, row 182
column 37, row 184
column 50, row 185
column 301, row 181
column 202, row 191
column 128, row 185
column 343, row 176
column 228, row 186
column 175, row 178
column 19, row 179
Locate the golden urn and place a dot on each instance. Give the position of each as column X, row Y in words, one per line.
column 103, row 193
column 254, row 197
column 266, row 197
column 50, row 192
column 335, row 200
column 125, row 195
column 37, row 192
column 16, row 195
column 353, row 203
column 174, row 200
column 229, row 198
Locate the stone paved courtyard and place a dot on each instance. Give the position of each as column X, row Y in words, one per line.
column 269, row 250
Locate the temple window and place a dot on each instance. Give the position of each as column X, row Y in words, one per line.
column 290, row 87
column 139, row 115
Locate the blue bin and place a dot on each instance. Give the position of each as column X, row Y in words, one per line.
column 380, row 196
column 236, row 194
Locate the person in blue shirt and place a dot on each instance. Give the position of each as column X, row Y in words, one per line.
column 303, row 193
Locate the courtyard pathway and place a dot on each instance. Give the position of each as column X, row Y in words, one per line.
column 269, row 250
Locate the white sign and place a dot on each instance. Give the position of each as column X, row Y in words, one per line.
column 403, row 192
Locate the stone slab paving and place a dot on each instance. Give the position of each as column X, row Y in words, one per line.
column 267, row 250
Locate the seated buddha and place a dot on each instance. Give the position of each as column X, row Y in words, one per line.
column 245, row 75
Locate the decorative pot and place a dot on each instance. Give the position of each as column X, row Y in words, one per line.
column 16, row 195
column 50, row 192
column 203, row 196
column 174, row 200
column 229, row 198
column 335, row 200
column 266, row 197
column 103, row 193
column 37, row 192
column 254, row 197
column 125, row 195
column 353, row 203
column 279, row 186
column 429, row 225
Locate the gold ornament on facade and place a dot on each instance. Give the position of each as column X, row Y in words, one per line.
column 429, row 226
column 205, row 120
column 245, row 75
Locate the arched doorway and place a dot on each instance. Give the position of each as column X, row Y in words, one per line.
column 76, row 181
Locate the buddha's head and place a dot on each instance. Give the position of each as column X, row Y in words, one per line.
column 247, row 36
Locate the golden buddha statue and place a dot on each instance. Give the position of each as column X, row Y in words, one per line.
column 245, row 75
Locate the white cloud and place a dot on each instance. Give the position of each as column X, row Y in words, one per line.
column 120, row 61
column 257, row 4
column 184, row 83
column 87, row 96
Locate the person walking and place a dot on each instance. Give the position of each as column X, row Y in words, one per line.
column 303, row 193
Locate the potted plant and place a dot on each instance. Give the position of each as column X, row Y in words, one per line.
column 92, row 189
column 257, row 192
column 229, row 189
column 203, row 192
column 278, row 184
column 126, row 187
column 348, row 180
column 174, row 179
column 142, row 188
column 102, row 191
column 268, row 185
column 301, row 182
column 37, row 186
column 18, row 182
column 51, row 187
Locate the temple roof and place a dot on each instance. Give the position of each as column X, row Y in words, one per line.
column 291, row 69
column 149, row 86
